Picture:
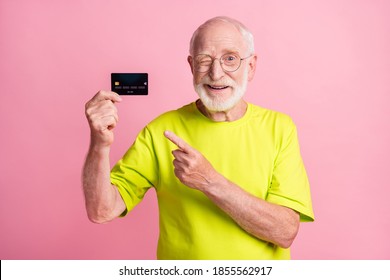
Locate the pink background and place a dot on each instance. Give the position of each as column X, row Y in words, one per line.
column 325, row 63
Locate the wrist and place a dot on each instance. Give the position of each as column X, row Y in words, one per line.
column 99, row 149
column 216, row 185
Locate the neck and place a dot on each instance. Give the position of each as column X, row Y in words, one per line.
column 233, row 114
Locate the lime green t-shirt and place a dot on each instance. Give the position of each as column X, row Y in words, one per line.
column 259, row 152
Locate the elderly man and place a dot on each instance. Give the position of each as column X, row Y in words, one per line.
column 229, row 177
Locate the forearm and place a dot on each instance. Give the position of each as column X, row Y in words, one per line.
column 264, row 220
column 103, row 201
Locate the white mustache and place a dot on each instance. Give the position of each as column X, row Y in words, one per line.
column 222, row 82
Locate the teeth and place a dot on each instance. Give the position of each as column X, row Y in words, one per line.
column 217, row 87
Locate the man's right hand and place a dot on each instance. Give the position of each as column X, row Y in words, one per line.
column 102, row 116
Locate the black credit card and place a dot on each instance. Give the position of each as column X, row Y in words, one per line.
column 129, row 83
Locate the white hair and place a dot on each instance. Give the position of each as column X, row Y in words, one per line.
column 246, row 34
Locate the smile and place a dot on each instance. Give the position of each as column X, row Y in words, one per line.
column 217, row 87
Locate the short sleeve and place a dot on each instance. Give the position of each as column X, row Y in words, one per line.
column 136, row 172
column 290, row 186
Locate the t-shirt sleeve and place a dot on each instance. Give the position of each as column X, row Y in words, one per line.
column 290, row 186
column 136, row 172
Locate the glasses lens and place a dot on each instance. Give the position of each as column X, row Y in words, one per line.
column 230, row 62
column 203, row 63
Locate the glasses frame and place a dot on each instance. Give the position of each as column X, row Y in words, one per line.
column 220, row 62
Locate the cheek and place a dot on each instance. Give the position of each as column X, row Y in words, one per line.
column 241, row 77
column 236, row 78
column 198, row 77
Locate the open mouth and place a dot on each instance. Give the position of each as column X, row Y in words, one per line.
column 217, row 87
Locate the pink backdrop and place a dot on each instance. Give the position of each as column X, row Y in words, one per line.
column 325, row 63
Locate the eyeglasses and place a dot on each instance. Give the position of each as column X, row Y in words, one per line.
column 230, row 62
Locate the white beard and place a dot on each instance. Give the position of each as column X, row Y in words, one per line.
column 217, row 103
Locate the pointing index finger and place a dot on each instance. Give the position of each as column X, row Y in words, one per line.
column 180, row 143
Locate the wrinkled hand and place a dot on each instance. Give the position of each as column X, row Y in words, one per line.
column 191, row 167
column 102, row 117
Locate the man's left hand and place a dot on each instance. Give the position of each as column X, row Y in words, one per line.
column 191, row 167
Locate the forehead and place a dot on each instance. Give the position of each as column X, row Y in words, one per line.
column 219, row 37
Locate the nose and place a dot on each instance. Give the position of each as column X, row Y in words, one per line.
column 216, row 71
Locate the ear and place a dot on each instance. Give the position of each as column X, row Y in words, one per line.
column 190, row 62
column 252, row 67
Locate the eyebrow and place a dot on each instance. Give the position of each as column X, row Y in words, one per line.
column 226, row 51
column 231, row 51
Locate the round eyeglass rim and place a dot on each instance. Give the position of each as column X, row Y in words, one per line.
column 213, row 59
